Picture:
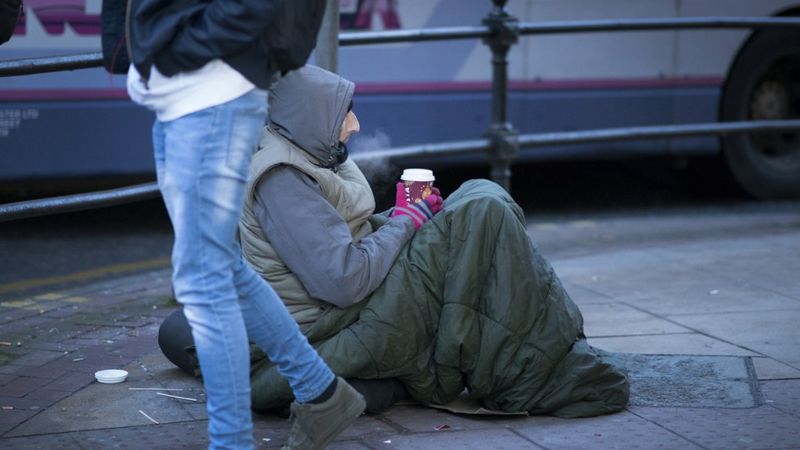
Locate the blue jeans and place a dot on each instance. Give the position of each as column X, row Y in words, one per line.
column 202, row 162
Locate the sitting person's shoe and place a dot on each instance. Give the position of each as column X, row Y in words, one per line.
column 314, row 425
column 380, row 394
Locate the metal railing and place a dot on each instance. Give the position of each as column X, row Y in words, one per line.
column 78, row 202
column 499, row 31
column 95, row 59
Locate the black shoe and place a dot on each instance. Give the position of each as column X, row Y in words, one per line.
column 379, row 394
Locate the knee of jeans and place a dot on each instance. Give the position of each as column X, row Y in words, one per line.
column 197, row 282
column 216, row 314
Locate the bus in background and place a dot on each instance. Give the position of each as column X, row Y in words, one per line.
column 80, row 124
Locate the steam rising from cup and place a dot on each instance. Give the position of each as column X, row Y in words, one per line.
column 376, row 169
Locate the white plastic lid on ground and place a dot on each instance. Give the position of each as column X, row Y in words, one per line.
column 111, row 376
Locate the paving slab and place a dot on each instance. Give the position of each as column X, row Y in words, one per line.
column 709, row 297
column 670, row 344
column 419, row 419
column 770, row 261
column 346, row 445
column 186, row 435
column 499, row 439
column 21, row 386
column 771, row 333
column 607, row 272
column 12, row 418
column 619, row 319
column 783, row 395
column 777, row 274
column 703, row 276
column 770, row 369
column 584, row 296
column 105, row 406
column 63, row 441
column 621, row 431
column 691, row 294
column 756, row 428
column 191, row 435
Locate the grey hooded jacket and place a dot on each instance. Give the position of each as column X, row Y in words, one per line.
column 304, row 227
column 307, row 107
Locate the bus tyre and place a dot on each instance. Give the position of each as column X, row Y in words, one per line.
column 764, row 84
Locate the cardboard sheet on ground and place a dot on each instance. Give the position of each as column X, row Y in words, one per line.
column 464, row 404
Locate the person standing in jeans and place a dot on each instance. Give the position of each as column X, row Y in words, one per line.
column 202, row 67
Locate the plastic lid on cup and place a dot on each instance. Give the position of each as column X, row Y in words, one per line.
column 417, row 175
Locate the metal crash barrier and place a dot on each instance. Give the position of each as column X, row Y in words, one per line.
column 502, row 144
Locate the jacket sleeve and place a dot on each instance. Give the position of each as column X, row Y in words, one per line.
column 314, row 241
column 225, row 27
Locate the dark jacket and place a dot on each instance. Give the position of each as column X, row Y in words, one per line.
column 10, row 11
column 184, row 35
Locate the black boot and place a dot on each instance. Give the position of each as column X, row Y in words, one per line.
column 379, row 394
column 177, row 344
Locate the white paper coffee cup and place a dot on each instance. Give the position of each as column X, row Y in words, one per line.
column 418, row 184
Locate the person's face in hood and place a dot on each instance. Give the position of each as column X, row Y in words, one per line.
column 350, row 126
column 309, row 106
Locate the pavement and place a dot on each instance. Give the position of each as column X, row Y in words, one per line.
column 702, row 307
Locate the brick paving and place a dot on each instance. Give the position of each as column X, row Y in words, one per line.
column 54, row 351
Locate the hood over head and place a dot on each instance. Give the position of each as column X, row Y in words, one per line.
column 308, row 106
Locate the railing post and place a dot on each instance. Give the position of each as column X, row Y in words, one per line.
column 327, row 52
column 502, row 134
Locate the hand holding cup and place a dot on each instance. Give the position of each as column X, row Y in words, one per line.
column 416, row 197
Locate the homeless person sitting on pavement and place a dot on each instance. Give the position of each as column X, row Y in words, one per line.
column 431, row 300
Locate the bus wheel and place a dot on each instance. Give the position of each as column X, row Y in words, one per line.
column 764, row 83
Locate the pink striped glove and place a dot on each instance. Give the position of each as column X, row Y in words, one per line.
column 418, row 212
